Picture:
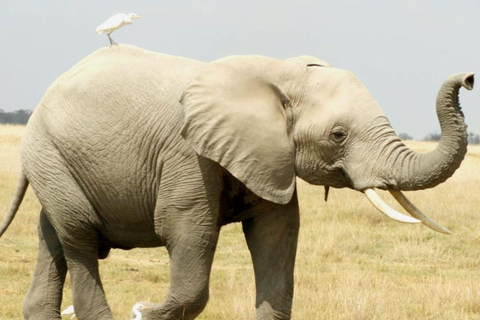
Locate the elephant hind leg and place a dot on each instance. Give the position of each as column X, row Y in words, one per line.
column 76, row 224
column 44, row 296
column 88, row 295
column 81, row 247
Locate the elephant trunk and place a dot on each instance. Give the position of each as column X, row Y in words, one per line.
column 409, row 170
column 416, row 171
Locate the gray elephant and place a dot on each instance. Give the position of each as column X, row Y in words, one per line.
column 132, row 148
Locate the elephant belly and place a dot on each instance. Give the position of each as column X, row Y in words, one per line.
column 123, row 216
column 134, row 235
column 124, row 207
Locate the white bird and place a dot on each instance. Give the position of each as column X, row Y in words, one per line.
column 136, row 311
column 116, row 22
column 69, row 311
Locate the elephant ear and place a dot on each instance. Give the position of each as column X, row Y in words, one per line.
column 309, row 61
column 236, row 115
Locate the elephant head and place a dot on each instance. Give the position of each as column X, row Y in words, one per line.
column 267, row 121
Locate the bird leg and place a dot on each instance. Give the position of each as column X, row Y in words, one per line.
column 111, row 40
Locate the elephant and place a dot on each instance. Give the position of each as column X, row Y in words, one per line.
column 132, row 148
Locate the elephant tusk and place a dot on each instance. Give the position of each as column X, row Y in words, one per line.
column 416, row 213
column 384, row 208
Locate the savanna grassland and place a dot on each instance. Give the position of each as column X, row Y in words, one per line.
column 352, row 262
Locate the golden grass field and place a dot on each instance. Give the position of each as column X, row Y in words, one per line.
column 353, row 263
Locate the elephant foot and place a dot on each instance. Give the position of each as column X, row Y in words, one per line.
column 152, row 311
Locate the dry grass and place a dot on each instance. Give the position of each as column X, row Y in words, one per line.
column 352, row 262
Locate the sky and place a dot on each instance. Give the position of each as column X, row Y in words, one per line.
column 401, row 50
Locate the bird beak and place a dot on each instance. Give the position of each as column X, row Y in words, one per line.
column 138, row 17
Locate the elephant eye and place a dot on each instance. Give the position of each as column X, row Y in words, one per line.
column 338, row 136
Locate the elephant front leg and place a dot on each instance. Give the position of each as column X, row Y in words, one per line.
column 191, row 258
column 44, row 296
column 272, row 240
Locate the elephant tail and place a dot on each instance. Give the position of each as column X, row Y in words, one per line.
column 15, row 204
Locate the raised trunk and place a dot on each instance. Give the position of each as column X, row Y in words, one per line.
column 425, row 170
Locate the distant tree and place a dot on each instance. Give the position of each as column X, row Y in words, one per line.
column 473, row 138
column 15, row 117
column 405, row 136
column 433, row 137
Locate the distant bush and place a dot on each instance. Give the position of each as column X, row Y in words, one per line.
column 15, row 117
column 472, row 137
column 405, row 136
column 433, row 137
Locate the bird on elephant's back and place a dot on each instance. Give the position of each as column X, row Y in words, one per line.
column 132, row 148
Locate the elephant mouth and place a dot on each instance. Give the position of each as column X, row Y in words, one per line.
column 418, row 216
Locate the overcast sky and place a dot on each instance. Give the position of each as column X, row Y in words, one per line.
column 401, row 50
